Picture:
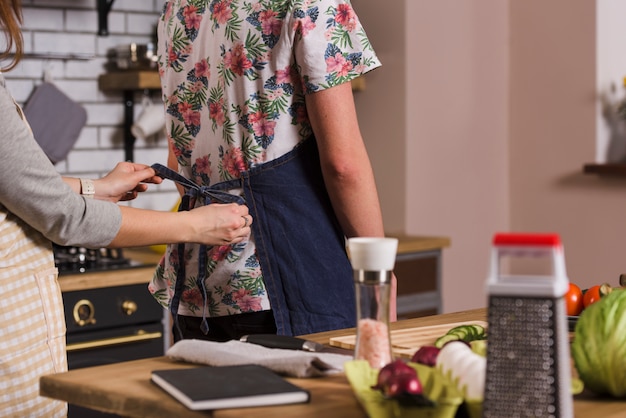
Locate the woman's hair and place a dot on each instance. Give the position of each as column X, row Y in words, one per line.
column 10, row 23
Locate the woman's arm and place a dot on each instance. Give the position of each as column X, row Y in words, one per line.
column 346, row 167
column 215, row 224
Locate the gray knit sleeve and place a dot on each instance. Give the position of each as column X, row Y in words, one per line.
column 32, row 189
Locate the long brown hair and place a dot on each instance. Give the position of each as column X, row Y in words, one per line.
column 10, row 23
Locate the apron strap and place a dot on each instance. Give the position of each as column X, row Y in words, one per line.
column 210, row 195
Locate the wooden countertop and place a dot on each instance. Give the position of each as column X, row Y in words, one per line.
column 417, row 243
column 125, row 388
column 110, row 278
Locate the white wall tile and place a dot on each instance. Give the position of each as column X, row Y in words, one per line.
column 111, row 136
column 81, row 20
column 88, row 139
column 79, row 90
column 73, row 4
column 141, row 23
column 105, row 114
column 29, row 68
column 21, row 89
column 42, row 19
column 134, row 5
column 116, row 23
column 88, row 69
column 156, row 201
column 158, row 140
column 28, row 41
column 150, row 156
column 100, row 161
column 60, row 42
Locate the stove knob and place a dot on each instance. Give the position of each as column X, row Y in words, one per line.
column 129, row 307
column 84, row 313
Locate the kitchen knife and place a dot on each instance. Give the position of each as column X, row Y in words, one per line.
column 292, row 343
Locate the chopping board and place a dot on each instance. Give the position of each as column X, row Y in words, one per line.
column 405, row 342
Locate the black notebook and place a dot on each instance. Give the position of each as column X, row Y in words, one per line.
column 228, row 387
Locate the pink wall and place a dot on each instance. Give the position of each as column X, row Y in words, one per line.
column 553, row 135
column 480, row 121
column 444, row 81
column 382, row 108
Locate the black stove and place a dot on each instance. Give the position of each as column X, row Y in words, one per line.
column 107, row 324
column 77, row 260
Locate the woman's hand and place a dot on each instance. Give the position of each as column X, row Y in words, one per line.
column 219, row 224
column 215, row 224
column 125, row 181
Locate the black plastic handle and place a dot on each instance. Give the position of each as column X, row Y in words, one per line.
column 275, row 341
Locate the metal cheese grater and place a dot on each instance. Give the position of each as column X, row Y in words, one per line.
column 528, row 363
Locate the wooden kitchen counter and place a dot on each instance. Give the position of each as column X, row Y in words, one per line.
column 416, row 243
column 125, row 388
column 114, row 277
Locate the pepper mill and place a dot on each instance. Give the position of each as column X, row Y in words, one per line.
column 372, row 262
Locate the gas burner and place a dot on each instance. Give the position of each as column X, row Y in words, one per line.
column 76, row 260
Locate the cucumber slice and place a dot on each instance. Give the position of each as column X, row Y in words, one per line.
column 479, row 331
column 461, row 333
column 467, row 332
column 441, row 341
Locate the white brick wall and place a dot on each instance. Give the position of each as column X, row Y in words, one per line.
column 71, row 27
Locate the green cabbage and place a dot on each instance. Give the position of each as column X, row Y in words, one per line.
column 599, row 346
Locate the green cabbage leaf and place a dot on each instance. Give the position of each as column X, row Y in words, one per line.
column 599, row 346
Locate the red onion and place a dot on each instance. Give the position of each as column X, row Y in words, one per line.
column 426, row 355
column 398, row 378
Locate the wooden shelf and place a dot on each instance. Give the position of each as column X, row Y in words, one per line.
column 147, row 79
column 130, row 80
column 609, row 169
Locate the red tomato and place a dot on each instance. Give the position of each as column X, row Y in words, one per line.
column 592, row 295
column 574, row 300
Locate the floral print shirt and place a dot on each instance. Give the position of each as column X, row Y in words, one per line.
column 234, row 75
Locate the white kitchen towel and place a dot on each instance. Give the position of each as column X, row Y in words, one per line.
column 292, row 363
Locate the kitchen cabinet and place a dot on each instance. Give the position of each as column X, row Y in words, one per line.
column 418, row 270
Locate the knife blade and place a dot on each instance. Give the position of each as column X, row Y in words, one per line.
column 292, row 343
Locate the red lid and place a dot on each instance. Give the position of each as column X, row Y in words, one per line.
column 523, row 239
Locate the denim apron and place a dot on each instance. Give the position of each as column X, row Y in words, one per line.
column 299, row 243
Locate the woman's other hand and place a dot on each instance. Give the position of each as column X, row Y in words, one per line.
column 220, row 224
column 125, row 182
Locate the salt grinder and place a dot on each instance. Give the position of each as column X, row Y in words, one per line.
column 372, row 262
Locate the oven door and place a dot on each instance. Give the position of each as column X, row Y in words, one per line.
column 114, row 346
column 111, row 325
column 98, row 348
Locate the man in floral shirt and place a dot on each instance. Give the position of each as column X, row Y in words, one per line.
column 259, row 110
